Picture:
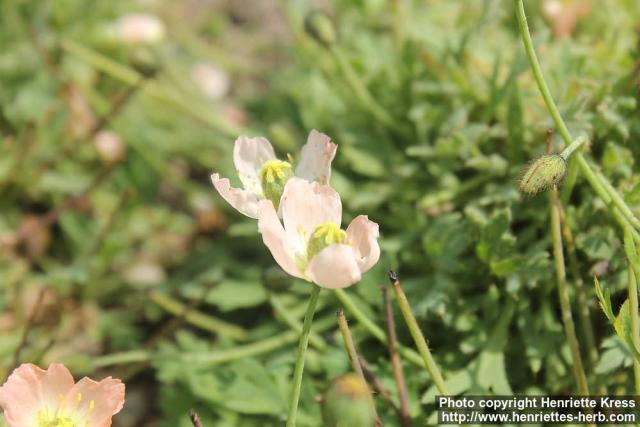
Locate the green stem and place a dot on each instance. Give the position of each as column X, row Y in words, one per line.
column 201, row 320
column 373, row 329
column 302, row 349
column 216, row 357
column 634, row 271
column 584, row 316
column 563, row 293
column 134, row 356
column 418, row 336
column 624, row 216
column 577, row 143
column 635, row 328
column 289, row 319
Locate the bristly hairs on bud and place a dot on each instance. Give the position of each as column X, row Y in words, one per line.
column 320, row 27
column 547, row 171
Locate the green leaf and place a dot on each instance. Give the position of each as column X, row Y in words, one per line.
column 622, row 325
column 605, row 300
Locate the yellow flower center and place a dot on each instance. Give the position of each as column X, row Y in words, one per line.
column 323, row 236
column 64, row 416
column 273, row 177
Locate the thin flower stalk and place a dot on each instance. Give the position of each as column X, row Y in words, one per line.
column 373, row 329
column 302, row 350
column 417, row 335
column 396, row 363
column 584, row 316
column 634, row 272
column 563, row 292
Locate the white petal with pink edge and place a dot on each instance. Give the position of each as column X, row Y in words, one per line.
column 363, row 235
column 334, row 267
column 249, row 155
column 316, row 157
column 243, row 200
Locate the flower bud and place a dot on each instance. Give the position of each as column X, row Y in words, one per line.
column 348, row 403
column 543, row 174
column 273, row 177
column 320, row 27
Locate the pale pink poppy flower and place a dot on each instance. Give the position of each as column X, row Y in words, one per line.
column 311, row 245
column 139, row 28
column 263, row 176
column 33, row 397
column 212, row 80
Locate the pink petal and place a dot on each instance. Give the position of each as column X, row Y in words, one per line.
column 316, row 157
column 29, row 389
column 95, row 402
column 305, row 205
column 363, row 238
column 249, row 154
column 243, row 200
column 276, row 239
column 334, row 267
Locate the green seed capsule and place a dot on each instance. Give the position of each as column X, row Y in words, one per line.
column 348, row 403
column 544, row 173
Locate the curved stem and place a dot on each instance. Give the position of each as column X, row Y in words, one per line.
column 302, row 349
column 604, row 190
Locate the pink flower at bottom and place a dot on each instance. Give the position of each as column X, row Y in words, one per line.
column 33, row 397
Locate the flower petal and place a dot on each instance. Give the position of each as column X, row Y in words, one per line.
column 334, row 267
column 95, row 402
column 30, row 389
column 363, row 237
column 305, row 205
column 243, row 200
column 276, row 239
column 316, row 157
column 249, row 154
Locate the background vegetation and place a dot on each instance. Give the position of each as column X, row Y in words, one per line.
column 136, row 268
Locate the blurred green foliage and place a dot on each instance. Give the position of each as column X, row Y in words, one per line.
column 435, row 112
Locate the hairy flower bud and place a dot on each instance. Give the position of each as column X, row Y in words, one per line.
column 320, row 27
column 348, row 403
column 543, row 173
